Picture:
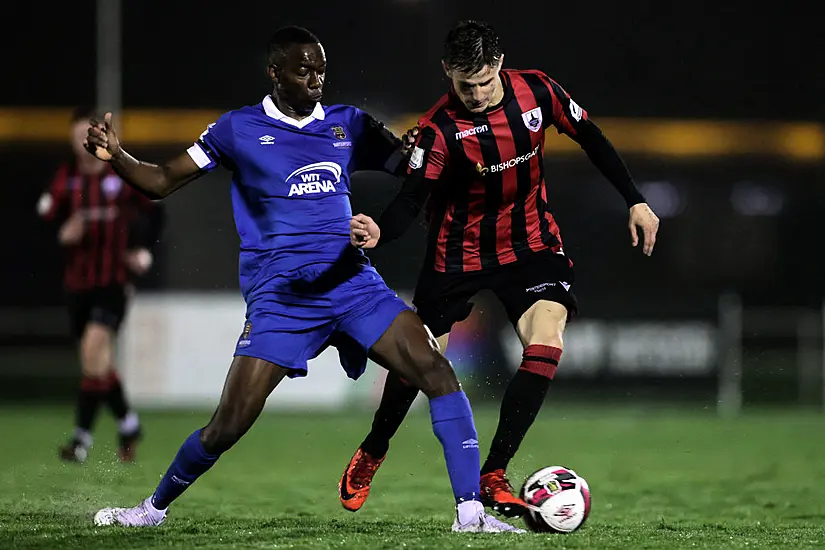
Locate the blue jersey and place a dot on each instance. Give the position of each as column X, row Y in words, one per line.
column 291, row 181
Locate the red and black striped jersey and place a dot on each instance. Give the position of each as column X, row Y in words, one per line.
column 485, row 173
column 110, row 209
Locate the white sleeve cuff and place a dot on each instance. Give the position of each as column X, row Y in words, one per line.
column 199, row 156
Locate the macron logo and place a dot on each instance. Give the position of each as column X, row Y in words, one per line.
column 471, row 132
column 469, row 444
column 318, row 177
column 267, row 140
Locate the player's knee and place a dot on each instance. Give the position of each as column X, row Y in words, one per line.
column 436, row 375
column 95, row 351
column 543, row 324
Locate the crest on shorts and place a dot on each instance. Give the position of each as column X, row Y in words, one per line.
column 111, row 186
column 338, row 132
column 244, row 339
column 532, row 119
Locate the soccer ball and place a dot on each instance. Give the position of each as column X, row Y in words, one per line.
column 558, row 500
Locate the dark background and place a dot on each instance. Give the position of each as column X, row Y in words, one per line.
column 748, row 224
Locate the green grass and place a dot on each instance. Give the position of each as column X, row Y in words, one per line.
column 660, row 479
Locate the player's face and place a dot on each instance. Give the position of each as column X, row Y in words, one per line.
column 77, row 135
column 299, row 82
column 477, row 91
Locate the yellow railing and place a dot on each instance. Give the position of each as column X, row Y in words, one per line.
column 685, row 139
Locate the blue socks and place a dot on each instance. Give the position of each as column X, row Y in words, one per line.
column 453, row 425
column 189, row 464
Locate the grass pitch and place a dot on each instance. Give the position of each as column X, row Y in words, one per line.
column 660, row 479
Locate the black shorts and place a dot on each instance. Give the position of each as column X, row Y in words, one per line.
column 443, row 299
column 105, row 305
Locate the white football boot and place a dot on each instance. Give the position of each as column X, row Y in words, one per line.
column 470, row 517
column 142, row 515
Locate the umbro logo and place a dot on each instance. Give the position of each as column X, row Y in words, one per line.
column 469, row 444
column 267, row 140
column 180, row 481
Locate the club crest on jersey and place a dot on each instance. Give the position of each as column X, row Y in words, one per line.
column 315, row 178
column 111, row 186
column 532, row 119
column 338, row 132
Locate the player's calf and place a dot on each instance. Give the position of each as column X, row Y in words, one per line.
column 541, row 328
column 248, row 384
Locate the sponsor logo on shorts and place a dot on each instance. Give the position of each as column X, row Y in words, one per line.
column 544, row 286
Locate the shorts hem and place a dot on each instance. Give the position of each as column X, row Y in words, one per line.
column 292, row 371
column 400, row 306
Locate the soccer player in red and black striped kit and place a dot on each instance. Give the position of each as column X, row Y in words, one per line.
column 478, row 165
column 106, row 229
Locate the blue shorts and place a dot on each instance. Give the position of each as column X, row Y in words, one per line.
column 292, row 318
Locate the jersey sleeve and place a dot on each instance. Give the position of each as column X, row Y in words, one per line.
column 429, row 156
column 426, row 165
column 215, row 145
column 376, row 147
column 53, row 204
column 558, row 108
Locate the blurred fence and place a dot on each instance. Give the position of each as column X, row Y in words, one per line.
column 650, row 328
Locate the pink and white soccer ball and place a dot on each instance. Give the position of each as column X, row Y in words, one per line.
column 558, row 500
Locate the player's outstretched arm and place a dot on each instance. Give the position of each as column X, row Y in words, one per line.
column 605, row 157
column 154, row 181
column 569, row 118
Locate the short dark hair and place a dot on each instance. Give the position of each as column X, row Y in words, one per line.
column 84, row 112
column 284, row 38
column 470, row 45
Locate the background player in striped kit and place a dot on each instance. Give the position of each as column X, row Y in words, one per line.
column 107, row 230
column 479, row 166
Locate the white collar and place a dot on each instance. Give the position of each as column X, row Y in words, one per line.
column 271, row 110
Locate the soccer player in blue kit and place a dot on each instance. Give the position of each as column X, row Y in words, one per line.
column 306, row 287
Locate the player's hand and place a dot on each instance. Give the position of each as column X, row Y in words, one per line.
column 72, row 231
column 408, row 140
column 138, row 261
column 102, row 140
column 363, row 232
column 642, row 217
